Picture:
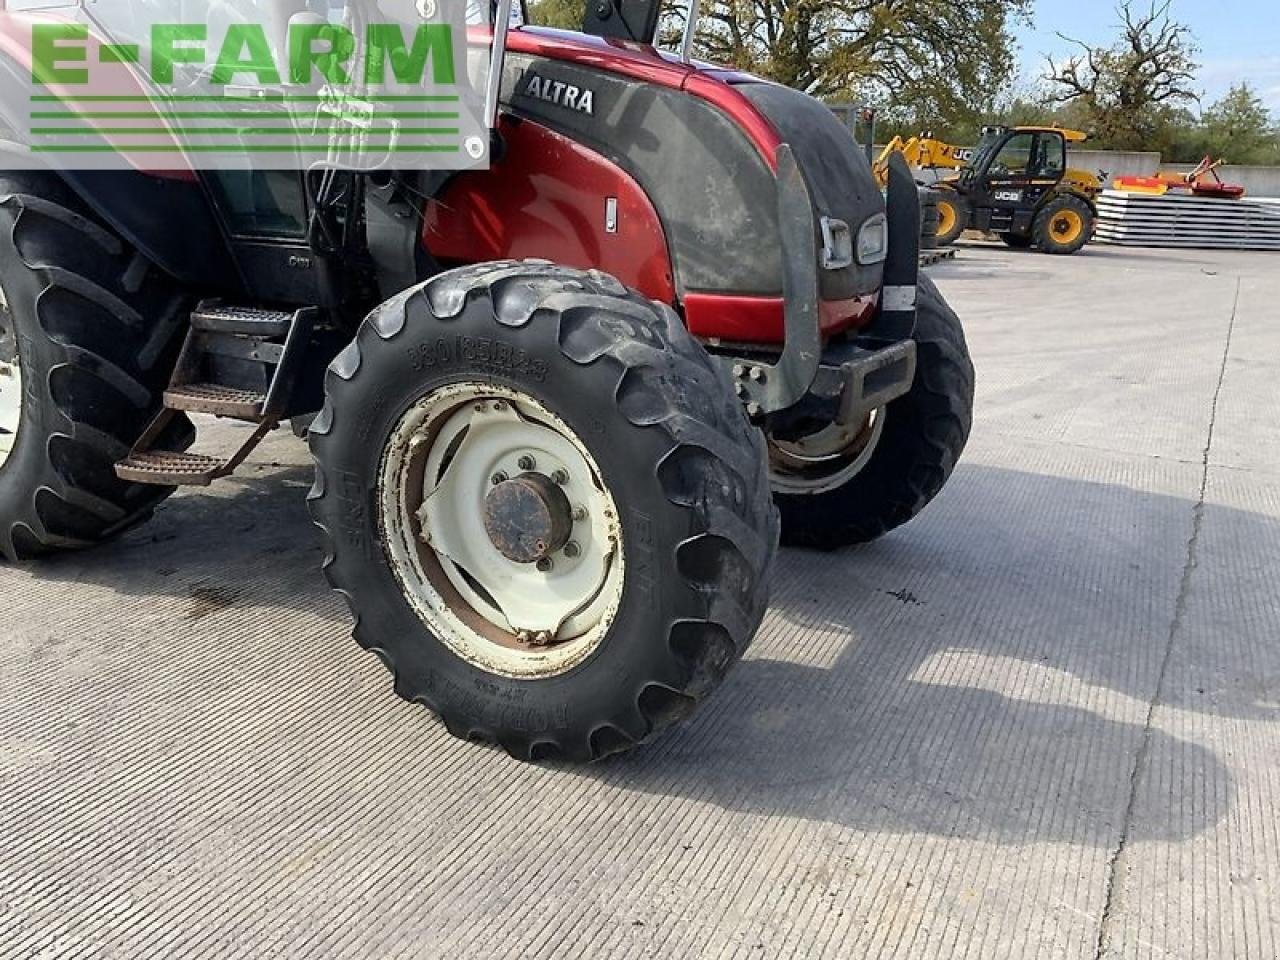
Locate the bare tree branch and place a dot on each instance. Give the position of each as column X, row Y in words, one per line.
column 1123, row 88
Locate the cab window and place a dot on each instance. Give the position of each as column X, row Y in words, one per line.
column 1051, row 155
column 1014, row 157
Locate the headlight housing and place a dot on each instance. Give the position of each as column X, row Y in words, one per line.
column 873, row 240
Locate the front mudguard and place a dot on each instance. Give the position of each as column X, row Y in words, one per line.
column 849, row 379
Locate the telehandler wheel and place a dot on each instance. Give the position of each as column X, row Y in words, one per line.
column 1018, row 241
column 88, row 335
column 545, row 506
column 953, row 217
column 929, row 218
column 1063, row 225
column 837, row 488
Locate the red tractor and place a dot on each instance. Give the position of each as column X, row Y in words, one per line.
column 560, row 409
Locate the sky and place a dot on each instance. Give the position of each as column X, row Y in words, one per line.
column 1238, row 39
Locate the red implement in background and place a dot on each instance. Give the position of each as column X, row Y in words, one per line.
column 1197, row 182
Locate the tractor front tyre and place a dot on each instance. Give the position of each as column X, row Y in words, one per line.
column 88, row 334
column 953, row 217
column 1063, row 225
column 545, row 507
column 843, row 486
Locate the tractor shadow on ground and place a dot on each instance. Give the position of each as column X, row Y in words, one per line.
column 247, row 541
column 984, row 672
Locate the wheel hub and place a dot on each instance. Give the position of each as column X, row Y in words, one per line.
column 500, row 529
column 825, row 460
column 528, row 518
column 1067, row 226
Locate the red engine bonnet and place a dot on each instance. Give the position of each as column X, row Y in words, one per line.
column 546, row 197
column 651, row 65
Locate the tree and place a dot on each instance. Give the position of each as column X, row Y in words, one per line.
column 915, row 58
column 1132, row 91
column 1238, row 128
column 562, row 14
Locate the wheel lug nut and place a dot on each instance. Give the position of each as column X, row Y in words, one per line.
column 545, row 565
column 572, row 550
column 499, row 477
column 560, row 478
column 527, row 463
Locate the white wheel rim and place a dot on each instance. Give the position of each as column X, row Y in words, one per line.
column 10, row 382
column 825, row 460
column 520, row 620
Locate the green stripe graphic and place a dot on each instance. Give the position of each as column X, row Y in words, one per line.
column 222, row 115
column 237, row 148
column 56, row 98
column 243, row 131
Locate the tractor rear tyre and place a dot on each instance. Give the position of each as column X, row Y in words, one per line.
column 88, row 334
column 842, row 487
column 1019, row 241
column 953, row 217
column 1063, row 225
column 545, row 506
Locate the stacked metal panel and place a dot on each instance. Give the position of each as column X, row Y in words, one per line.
column 1181, row 220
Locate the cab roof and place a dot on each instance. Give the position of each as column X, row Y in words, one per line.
column 1072, row 136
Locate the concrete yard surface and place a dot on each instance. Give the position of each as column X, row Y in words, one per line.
column 1041, row 721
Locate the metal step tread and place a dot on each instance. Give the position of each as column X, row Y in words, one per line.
column 170, row 467
column 215, row 398
column 245, row 321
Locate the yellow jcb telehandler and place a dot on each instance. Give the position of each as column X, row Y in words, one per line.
column 1015, row 183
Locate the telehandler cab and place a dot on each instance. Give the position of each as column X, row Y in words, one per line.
column 550, row 489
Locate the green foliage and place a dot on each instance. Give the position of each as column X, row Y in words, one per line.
column 1239, row 128
column 562, row 14
column 923, row 58
column 1131, row 91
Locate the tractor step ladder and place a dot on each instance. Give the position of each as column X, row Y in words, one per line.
column 237, row 362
